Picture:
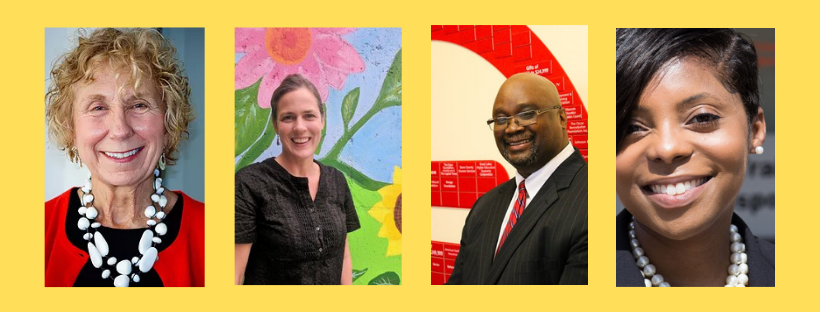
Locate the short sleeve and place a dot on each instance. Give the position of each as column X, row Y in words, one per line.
column 352, row 218
column 245, row 213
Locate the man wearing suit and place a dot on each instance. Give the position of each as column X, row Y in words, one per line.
column 531, row 229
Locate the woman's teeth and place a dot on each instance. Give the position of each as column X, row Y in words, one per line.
column 679, row 188
column 122, row 155
column 300, row 141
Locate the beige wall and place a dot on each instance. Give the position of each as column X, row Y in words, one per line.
column 463, row 88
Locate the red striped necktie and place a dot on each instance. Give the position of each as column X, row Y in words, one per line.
column 516, row 212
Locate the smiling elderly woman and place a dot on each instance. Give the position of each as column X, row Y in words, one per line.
column 688, row 119
column 119, row 104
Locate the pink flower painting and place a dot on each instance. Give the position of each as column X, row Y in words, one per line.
column 319, row 54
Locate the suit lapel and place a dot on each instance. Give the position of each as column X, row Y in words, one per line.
column 500, row 201
column 540, row 203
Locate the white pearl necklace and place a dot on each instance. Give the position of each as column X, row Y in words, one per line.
column 738, row 270
column 98, row 249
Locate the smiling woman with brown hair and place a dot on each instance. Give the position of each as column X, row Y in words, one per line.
column 688, row 118
column 292, row 212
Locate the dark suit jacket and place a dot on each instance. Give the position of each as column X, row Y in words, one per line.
column 548, row 245
column 760, row 255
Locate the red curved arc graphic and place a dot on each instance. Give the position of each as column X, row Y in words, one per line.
column 515, row 49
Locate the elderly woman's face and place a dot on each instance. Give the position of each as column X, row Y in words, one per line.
column 119, row 133
column 299, row 123
column 684, row 159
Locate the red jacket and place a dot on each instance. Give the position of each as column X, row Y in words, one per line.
column 182, row 264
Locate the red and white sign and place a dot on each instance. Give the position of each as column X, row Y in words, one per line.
column 460, row 183
column 442, row 261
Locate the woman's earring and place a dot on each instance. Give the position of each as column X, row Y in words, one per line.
column 277, row 140
column 758, row 150
column 162, row 161
column 76, row 155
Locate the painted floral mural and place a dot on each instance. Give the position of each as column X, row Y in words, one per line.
column 358, row 74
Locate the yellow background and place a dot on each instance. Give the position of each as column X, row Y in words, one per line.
column 21, row 252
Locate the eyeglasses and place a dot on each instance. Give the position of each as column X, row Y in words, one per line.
column 523, row 119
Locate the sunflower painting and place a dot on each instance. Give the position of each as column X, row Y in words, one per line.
column 358, row 74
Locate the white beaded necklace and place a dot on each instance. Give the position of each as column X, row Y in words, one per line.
column 738, row 270
column 98, row 249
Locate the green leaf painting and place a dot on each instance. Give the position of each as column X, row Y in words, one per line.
column 251, row 122
column 386, row 278
column 390, row 94
column 358, row 273
column 349, row 106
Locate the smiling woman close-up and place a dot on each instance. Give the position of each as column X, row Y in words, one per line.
column 688, row 120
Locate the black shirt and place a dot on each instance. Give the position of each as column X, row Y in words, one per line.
column 296, row 240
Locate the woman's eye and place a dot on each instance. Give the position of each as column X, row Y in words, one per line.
column 705, row 120
column 633, row 128
column 97, row 108
column 287, row 118
column 310, row 116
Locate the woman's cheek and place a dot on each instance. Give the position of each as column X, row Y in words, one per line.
column 727, row 150
column 149, row 126
column 89, row 131
column 625, row 166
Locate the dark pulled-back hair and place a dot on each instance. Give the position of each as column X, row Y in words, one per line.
column 291, row 83
column 641, row 53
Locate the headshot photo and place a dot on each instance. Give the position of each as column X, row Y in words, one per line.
column 695, row 157
column 318, row 186
column 124, row 157
column 509, row 155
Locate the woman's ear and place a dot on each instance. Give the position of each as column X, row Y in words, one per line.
column 758, row 130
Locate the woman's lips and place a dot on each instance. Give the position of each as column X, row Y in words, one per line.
column 300, row 141
column 676, row 195
column 123, row 157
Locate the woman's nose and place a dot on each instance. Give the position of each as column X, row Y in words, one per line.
column 669, row 145
column 299, row 124
column 119, row 127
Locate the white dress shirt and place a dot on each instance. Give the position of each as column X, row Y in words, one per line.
column 533, row 184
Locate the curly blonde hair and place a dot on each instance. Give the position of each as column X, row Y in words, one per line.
column 142, row 53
